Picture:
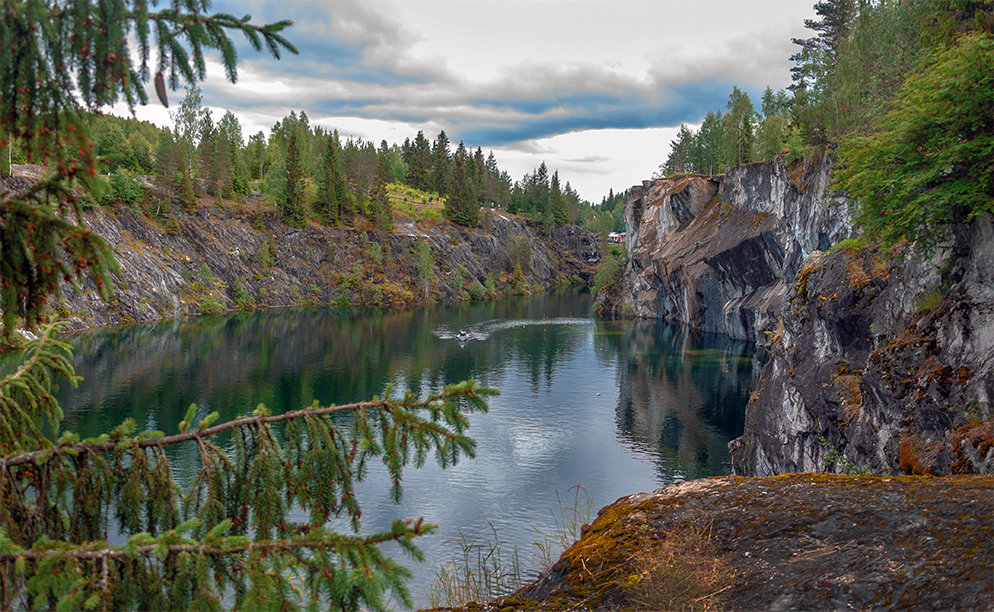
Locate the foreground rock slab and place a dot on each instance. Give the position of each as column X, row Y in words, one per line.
column 798, row 541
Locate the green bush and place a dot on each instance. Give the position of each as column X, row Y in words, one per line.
column 608, row 276
column 928, row 161
column 125, row 189
column 242, row 299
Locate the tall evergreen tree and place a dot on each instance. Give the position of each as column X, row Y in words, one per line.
column 292, row 200
column 331, row 184
column 557, row 202
column 460, row 205
column 231, row 533
column 441, row 164
column 419, row 168
column 382, row 215
column 167, row 164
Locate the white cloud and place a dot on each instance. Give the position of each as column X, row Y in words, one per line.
column 593, row 161
column 489, row 71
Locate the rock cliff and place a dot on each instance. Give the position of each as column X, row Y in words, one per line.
column 719, row 253
column 221, row 258
column 792, row 542
column 883, row 361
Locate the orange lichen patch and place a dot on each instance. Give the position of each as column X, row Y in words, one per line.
column 915, row 457
column 777, row 335
column 802, row 282
column 980, row 437
column 963, row 375
column 856, row 275
column 759, row 219
column 848, row 386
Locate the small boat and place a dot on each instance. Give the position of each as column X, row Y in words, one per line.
column 462, row 335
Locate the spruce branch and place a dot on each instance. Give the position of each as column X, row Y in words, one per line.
column 213, row 545
column 399, row 409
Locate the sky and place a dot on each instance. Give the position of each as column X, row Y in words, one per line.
column 596, row 89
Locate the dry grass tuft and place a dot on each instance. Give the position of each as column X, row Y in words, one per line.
column 680, row 571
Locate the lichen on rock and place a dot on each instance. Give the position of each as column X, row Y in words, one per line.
column 885, row 359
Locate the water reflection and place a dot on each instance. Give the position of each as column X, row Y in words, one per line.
column 681, row 393
column 617, row 407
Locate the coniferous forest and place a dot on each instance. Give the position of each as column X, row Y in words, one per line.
column 899, row 92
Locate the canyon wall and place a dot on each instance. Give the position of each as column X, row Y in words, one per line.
column 719, row 253
column 220, row 259
column 884, row 361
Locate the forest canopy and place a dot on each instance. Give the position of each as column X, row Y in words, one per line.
column 899, row 92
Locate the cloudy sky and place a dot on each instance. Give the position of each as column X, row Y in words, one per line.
column 594, row 88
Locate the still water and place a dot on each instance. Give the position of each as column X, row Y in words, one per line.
column 614, row 406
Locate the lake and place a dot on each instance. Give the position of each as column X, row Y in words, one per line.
column 616, row 407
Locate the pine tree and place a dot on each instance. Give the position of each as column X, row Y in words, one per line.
column 419, row 168
column 441, row 165
column 382, row 215
column 557, row 202
column 292, row 198
column 167, row 163
column 329, row 197
column 229, row 535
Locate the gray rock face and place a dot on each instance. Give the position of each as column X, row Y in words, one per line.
column 222, row 259
column 719, row 253
column 884, row 362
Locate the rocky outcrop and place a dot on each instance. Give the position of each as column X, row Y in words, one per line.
column 220, row 259
column 719, row 253
column 793, row 542
column 883, row 361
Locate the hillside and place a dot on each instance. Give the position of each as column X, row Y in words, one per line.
column 225, row 257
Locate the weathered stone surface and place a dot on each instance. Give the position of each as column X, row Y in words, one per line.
column 174, row 272
column 719, row 253
column 887, row 358
column 792, row 542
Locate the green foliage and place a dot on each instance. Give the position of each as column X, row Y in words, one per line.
column 267, row 253
column 929, row 301
column 125, row 188
column 849, row 243
column 231, row 531
column 187, row 195
column 425, row 265
column 839, row 463
column 241, row 298
column 608, row 275
column 928, row 162
column 490, row 284
column 291, row 201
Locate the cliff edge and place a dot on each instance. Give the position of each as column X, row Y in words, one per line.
column 791, row 542
column 720, row 253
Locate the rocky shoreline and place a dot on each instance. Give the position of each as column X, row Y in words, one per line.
column 790, row 542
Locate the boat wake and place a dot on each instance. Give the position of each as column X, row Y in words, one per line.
column 486, row 329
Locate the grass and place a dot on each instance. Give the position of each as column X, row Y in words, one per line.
column 483, row 572
column 679, row 571
column 480, row 573
column 568, row 526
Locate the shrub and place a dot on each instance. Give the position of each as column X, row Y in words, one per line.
column 928, row 162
